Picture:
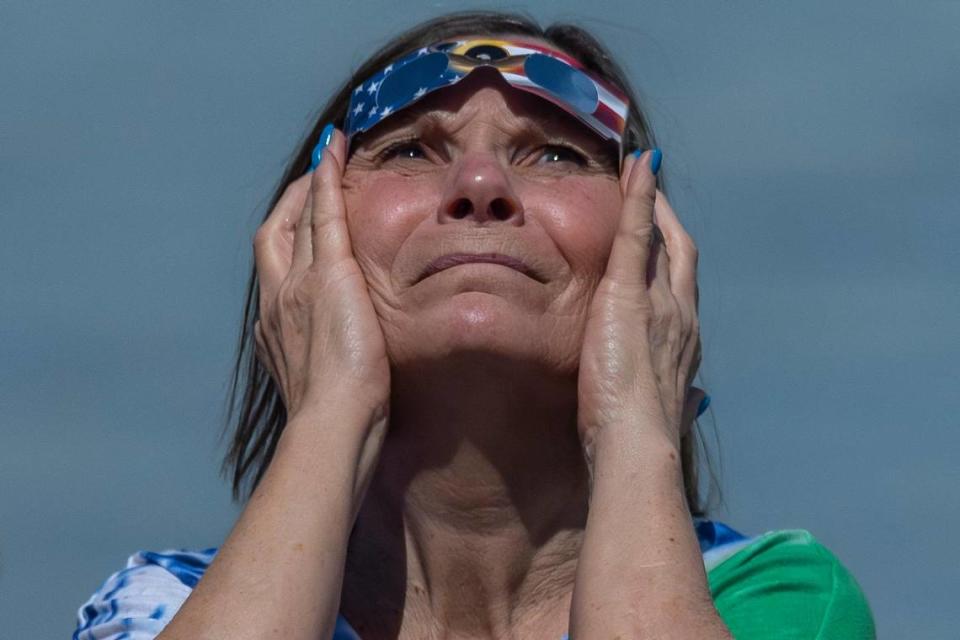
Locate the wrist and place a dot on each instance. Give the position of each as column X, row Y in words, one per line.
column 341, row 439
column 320, row 400
column 337, row 410
column 620, row 450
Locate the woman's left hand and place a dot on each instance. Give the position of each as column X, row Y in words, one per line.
column 641, row 346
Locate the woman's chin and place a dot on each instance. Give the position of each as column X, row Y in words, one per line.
column 479, row 320
column 476, row 322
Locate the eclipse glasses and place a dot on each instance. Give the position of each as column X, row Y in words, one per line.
column 532, row 67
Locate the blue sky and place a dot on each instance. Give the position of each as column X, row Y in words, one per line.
column 811, row 149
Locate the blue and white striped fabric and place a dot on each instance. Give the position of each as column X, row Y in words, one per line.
column 137, row 602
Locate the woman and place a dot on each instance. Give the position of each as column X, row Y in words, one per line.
column 469, row 410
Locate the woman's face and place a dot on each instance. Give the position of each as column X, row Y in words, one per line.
column 482, row 168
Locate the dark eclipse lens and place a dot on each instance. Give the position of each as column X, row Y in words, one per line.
column 565, row 82
column 399, row 87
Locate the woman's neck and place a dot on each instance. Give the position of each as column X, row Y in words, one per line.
column 472, row 525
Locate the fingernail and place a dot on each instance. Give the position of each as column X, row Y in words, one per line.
column 655, row 158
column 703, row 406
column 638, row 153
column 317, row 155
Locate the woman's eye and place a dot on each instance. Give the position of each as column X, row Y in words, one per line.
column 554, row 154
column 548, row 155
column 404, row 151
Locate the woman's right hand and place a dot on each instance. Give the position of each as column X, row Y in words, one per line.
column 280, row 571
column 318, row 333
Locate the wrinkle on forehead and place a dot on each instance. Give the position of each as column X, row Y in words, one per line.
column 453, row 122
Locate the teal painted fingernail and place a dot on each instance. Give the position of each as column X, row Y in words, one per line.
column 317, row 155
column 655, row 158
column 703, row 406
column 638, row 153
column 327, row 134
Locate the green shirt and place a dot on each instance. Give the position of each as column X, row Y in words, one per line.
column 786, row 585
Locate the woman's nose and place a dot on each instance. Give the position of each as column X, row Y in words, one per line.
column 480, row 191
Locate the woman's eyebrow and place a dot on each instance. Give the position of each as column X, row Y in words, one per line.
column 442, row 122
column 426, row 121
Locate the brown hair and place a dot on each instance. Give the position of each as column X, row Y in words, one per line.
column 261, row 416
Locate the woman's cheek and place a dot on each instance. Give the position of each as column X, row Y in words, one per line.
column 393, row 205
column 383, row 210
column 581, row 214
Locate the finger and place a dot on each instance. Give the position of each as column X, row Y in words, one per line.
column 329, row 234
column 625, row 170
column 665, row 310
column 691, row 408
column 302, row 243
column 338, row 146
column 261, row 349
column 695, row 360
column 273, row 242
column 682, row 250
column 658, row 274
column 627, row 264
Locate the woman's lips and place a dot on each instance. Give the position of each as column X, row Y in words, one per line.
column 453, row 259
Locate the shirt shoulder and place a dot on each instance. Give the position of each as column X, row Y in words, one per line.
column 786, row 584
column 137, row 602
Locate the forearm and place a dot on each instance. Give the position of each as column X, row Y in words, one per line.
column 280, row 571
column 640, row 573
